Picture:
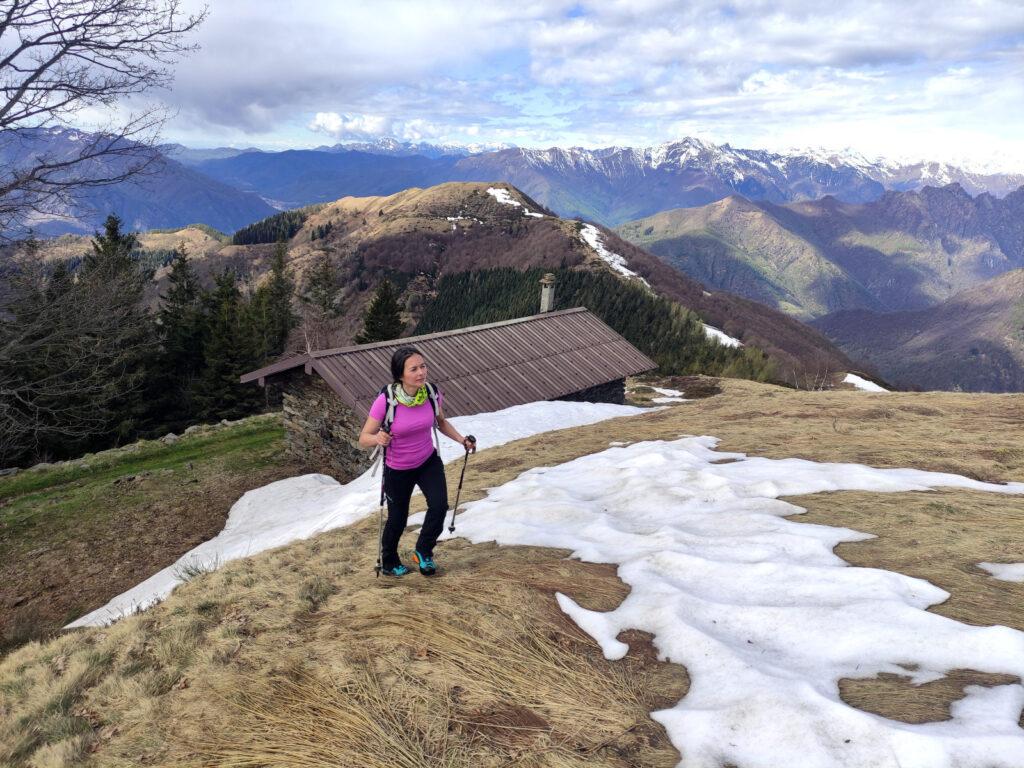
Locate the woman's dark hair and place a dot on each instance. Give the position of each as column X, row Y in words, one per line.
column 398, row 361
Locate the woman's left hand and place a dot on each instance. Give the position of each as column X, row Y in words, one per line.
column 469, row 443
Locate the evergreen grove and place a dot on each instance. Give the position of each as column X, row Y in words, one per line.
column 87, row 366
column 273, row 229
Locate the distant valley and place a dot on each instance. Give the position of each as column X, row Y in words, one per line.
column 972, row 341
column 169, row 194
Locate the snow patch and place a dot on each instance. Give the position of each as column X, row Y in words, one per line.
column 592, row 237
column 761, row 612
column 864, row 384
column 721, row 336
column 300, row 507
column 504, row 197
column 1004, row 571
column 668, row 396
column 667, row 392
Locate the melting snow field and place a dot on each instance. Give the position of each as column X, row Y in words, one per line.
column 1004, row 571
column 763, row 615
column 504, row 197
column 300, row 507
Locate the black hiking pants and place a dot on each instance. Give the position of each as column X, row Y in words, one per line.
column 398, row 485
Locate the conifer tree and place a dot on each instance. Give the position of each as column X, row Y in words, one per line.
column 74, row 351
column 113, row 249
column 228, row 353
column 382, row 321
column 257, row 324
column 280, row 290
column 322, row 289
column 268, row 315
column 180, row 359
column 111, row 271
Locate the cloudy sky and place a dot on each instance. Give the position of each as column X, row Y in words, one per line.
column 915, row 78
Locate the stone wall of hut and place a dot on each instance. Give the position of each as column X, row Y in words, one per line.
column 610, row 392
column 321, row 432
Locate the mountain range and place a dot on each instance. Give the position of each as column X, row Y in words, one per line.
column 923, row 285
column 418, row 236
column 904, row 251
column 220, row 186
column 609, row 186
column 810, row 234
column 167, row 194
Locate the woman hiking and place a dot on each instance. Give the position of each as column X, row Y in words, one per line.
column 408, row 409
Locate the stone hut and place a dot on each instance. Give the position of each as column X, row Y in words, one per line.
column 566, row 355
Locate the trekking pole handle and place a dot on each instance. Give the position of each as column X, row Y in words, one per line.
column 470, row 439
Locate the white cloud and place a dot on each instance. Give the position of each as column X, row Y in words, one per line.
column 420, row 130
column 354, row 127
column 615, row 71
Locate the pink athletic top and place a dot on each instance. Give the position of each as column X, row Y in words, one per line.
column 412, row 439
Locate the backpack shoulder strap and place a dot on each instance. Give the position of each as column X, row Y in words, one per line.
column 433, row 393
column 391, row 402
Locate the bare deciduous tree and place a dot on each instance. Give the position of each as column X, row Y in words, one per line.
column 67, row 342
column 60, row 56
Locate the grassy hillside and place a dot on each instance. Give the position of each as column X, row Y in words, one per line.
column 73, row 535
column 299, row 655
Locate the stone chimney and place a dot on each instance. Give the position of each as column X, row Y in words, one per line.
column 547, row 292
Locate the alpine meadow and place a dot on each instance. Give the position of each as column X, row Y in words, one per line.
column 554, row 385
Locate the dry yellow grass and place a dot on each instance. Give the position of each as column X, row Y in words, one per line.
column 479, row 667
column 196, row 242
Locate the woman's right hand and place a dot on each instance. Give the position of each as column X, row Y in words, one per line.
column 382, row 438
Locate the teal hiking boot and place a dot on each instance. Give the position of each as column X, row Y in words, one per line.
column 398, row 570
column 426, row 564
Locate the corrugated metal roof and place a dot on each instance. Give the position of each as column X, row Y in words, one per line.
column 485, row 367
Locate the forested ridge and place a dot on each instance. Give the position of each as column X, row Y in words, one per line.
column 280, row 226
column 668, row 333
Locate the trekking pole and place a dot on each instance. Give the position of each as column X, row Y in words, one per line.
column 465, row 461
column 380, row 513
